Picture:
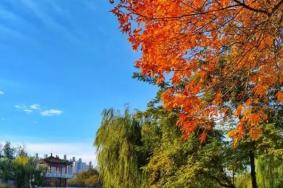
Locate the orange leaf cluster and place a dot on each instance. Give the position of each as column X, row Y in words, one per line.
column 217, row 55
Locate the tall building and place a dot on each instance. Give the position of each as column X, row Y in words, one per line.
column 80, row 166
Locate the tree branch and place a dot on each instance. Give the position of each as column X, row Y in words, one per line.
column 221, row 183
column 276, row 7
column 251, row 8
column 179, row 16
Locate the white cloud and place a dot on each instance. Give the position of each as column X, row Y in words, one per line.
column 21, row 107
column 51, row 112
column 36, row 108
column 28, row 108
column 2, row 92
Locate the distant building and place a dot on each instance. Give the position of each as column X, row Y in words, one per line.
column 80, row 166
column 90, row 166
column 58, row 171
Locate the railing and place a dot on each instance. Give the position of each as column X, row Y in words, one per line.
column 58, row 175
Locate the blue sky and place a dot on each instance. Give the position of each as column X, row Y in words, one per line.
column 61, row 63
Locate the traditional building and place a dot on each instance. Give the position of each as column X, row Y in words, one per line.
column 58, row 171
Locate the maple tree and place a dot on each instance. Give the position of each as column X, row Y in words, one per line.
column 222, row 58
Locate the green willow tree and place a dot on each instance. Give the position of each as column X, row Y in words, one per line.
column 269, row 172
column 268, row 152
column 116, row 141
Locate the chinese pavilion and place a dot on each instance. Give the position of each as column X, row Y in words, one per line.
column 58, row 171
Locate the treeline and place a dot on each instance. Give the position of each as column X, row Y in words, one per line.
column 18, row 169
column 147, row 149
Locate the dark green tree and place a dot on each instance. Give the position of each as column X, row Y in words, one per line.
column 8, row 151
column 6, row 162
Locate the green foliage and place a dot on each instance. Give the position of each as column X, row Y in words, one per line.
column 243, row 180
column 6, row 162
column 6, row 169
column 26, row 172
column 116, row 141
column 90, row 178
column 146, row 149
column 8, row 151
column 269, row 160
column 179, row 163
column 270, row 172
column 21, row 168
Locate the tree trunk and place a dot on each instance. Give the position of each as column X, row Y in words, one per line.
column 253, row 173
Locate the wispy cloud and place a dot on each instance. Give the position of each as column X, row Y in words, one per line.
column 2, row 92
column 44, row 11
column 10, row 22
column 51, row 112
column 28, row 108
column 53, row 16
column 12, row 32
column 36, row 108
column 6, row 14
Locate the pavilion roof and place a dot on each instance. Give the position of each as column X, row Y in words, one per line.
column 55, row 160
